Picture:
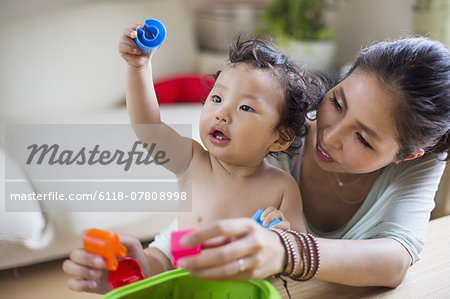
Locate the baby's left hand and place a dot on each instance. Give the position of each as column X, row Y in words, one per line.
column 270, row 214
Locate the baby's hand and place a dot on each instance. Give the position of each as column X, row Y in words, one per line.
column 270, row 214
column 88, row 270
column 128, row 49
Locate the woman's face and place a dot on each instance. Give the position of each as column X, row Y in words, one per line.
column 355, row 130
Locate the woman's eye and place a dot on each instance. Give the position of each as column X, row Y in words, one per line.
column 246, row 108
column 336, row 104
column 216, row 99
column 363, row 141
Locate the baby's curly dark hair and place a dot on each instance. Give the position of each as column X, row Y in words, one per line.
column 303, row 90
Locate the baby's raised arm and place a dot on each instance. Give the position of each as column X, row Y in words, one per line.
column 143, row 108
column 141, row 99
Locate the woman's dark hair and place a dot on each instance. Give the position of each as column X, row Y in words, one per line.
column 302, row 90
column 417, row 71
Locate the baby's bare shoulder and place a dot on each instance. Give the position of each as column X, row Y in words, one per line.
column 278, row 176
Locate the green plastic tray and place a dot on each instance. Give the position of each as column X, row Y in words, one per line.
column 178, row 284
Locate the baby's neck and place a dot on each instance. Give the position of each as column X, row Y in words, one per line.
column 243, row 171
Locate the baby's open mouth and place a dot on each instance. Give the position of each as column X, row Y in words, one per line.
column 219, row 135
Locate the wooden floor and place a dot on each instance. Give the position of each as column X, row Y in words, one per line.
column 41, row 281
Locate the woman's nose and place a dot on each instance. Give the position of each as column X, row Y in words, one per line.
column 332, row 137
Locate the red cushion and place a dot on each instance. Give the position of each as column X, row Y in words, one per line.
column 184, row 88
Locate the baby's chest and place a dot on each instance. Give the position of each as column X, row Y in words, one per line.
column 211, row 201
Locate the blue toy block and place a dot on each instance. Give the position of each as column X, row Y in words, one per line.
column 151, row 37
column 257, row 217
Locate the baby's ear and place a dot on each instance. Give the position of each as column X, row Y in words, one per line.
column 284, row 140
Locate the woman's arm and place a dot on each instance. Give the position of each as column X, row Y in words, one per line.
column 377, row 262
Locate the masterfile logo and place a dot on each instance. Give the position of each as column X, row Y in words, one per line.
column 94, row 168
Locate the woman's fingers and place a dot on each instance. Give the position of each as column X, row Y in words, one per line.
column 219, row 255
column 215, row 242
column 258, row 253
column 238, row 269
column 222, row 228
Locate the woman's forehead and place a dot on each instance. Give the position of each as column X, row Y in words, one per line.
column 369, row 101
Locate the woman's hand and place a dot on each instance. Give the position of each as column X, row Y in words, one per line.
column 128, row 49
column 234, row 249
column 88, row 269
column 271, row 214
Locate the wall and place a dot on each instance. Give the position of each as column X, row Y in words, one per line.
column 360, row 22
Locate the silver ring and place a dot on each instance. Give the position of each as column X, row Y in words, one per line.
column 241, row 265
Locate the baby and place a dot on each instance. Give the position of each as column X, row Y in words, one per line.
column 257, row 106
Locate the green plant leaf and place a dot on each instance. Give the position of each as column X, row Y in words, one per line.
column 298, row 19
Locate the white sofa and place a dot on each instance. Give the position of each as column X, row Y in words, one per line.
column 62, row 66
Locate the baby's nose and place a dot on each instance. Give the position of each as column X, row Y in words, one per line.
column 223, row 116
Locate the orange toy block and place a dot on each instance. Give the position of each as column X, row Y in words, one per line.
column 106, row 244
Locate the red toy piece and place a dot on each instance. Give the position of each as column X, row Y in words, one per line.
column 128, row 272
column 177, row 250
column 106, row 244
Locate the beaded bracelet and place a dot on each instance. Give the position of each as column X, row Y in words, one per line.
column 288, row 249
column 291, row 257
column 311, row 258
column 310, row 254
column 301, row 247
column 317, row 254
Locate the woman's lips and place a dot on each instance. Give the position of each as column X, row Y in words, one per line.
column 322, row 154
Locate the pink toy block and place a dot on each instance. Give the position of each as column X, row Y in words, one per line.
column 177, row 250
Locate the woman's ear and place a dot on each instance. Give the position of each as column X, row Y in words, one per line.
column 413, row 155
column 282, row 143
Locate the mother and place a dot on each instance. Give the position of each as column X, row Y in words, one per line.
column 368, row 171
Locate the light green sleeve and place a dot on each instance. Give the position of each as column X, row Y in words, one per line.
column 399, row 205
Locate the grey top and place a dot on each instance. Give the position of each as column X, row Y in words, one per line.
column 398, row 206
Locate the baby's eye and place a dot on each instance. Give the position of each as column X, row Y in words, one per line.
column 216, row 99
column 246, row 108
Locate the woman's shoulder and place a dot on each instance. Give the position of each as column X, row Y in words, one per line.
column 418, row 172
column 429, row 162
